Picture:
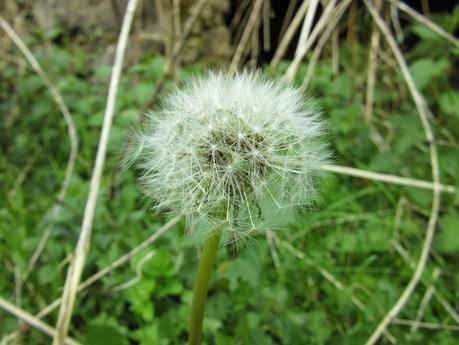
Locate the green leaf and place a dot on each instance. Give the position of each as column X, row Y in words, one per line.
column 449, row 103
column 140, row 299
column 160, row 265
column 47, row 274
column 425, row 33
column 105, row 330
column 447, row 240
column 148, row 335
column 424, row 70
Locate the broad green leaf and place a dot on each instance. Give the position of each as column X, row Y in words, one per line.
column 424, row 70
column 449, row 103
column 447, row 240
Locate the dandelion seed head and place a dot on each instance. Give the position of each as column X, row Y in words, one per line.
column 231, row 146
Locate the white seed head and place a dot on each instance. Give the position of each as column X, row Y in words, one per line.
column 231, row 147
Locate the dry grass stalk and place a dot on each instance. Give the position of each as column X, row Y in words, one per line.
column 73, row 137
column 334, row 281
column 266, row 25
column 76, row 268
column 427, row 22
column 372, row 66
column 423, row 114
column 253, row 20
column 307, row 23
column 284, row 43
column 335, row 51
column 377, row 139
column 32, row 321
column 288, row 16
column 108, row 269
column 331, row 27
column 425, row 300
column 304, row 46
column 427, row 325
column 393, row 179
column 174, row 56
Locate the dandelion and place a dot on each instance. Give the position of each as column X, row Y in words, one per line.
column 230, row 150
column 223, row 148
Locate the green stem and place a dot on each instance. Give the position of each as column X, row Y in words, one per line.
column 209, row 252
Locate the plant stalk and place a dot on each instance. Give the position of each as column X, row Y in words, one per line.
column 209, row 252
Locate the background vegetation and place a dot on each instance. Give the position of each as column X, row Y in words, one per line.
column 329, row 278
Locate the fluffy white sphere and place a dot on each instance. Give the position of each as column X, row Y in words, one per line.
column 230, row 147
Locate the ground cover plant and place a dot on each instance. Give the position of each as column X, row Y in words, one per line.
column 335, row 271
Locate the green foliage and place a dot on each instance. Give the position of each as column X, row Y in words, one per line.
column 267, row 293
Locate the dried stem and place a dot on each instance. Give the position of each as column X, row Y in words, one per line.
column 307, row 23
column 304, row 46
column 174, row 56
column 32, row 320
column 334, row 281
column 283, row 45
column 393, row 179
column 253, row 19
column 338, row 13
column 266, row 25
column 427, row 325
column 72, row 133
column 288, row 16
column 444, row 303
column 377, row 139
column 255, row 44
column 425, row 299
column 115, row 264
column 423, row 114
column 372, row 64
column 427, row 22
column 76, row 268
column 335, row 51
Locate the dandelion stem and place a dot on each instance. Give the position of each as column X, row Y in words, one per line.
column 209, row 252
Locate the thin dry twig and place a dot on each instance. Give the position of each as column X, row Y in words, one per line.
column 266, row 25
column 255, row 44
column 72, row 133
column 325, row 18
column 425, row 300
column 14, row 59
column 32, row 321
column 428, row 325
column 334, row 281
column 323, row 272
column 444, row 303
column 288, row 16
column 335, row 51
column 331, row 27
column 138, row 274
column 239, row 14
column 393, row 11
column 427, row 22
column 177, row 28
column 393, row 179
column 174, row 56
column 371, row 81
column 283, row 45
column 423, row 114
column 76, row 268
column 253, row 19
column 307, row 23
column 114, row 265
